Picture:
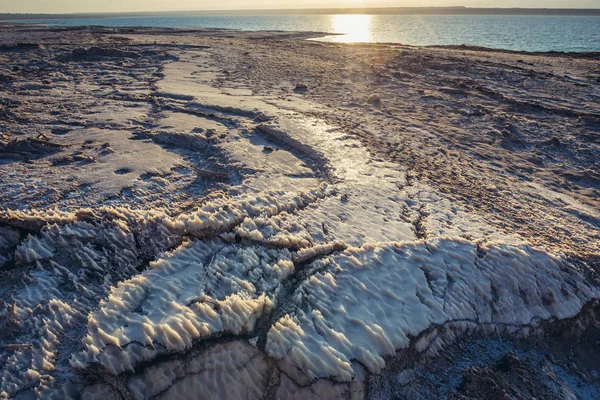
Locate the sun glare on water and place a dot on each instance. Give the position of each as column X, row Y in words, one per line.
column 355, row 28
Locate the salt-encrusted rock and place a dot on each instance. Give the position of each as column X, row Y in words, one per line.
column 301, row 87
column 374, row 99
column 527, row 84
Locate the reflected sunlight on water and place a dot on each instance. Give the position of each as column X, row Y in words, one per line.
column 512, row 32
column 356, row 28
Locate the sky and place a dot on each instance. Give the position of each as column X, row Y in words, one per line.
column 73, row 6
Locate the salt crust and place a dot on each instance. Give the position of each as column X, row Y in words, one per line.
column 368, row 302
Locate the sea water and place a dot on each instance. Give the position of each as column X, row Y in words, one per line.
column 511, row 32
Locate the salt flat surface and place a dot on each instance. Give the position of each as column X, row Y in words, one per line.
column 179, row 222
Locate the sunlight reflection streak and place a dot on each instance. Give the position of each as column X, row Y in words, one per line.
column 356, row 28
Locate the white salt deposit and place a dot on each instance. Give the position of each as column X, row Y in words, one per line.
column 295, row 274
column 369, row 302
column 201, row 289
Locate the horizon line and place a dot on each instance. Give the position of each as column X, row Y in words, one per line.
column 322, row 10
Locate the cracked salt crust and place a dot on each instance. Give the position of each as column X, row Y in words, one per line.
column 302, row 278
column 370, row 301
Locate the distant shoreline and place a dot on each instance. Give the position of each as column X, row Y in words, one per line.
column 324, row 11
